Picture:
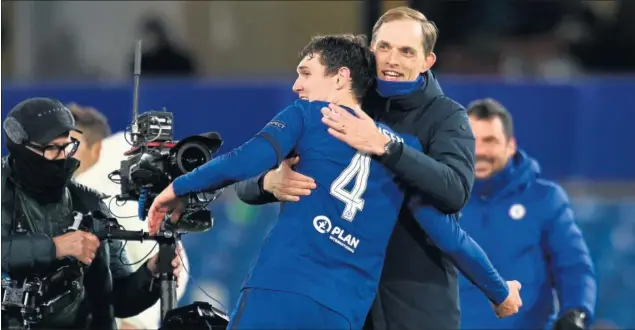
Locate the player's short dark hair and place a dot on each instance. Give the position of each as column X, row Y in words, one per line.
column 92, row 122
column 345, row 50
column 488, row 109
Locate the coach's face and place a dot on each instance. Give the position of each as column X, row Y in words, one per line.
column 314, row 84
column 493, row 147
column 398, row 48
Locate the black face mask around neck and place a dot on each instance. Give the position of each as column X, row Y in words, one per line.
column 43, row 179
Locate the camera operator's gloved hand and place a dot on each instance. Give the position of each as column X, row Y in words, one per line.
column 573, row 319
column 78, row 244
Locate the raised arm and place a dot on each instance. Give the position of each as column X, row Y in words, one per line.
column 445, row 173
column 264, row 151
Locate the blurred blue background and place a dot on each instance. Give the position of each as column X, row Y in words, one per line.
column 567, row 78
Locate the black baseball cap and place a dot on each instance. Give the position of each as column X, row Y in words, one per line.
column 43, row 119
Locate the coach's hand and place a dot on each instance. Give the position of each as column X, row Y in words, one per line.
column 286, row 184
column 512, row 304
column 358, row 131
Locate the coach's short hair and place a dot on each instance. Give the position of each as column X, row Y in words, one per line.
column 93, row 123
column 428, row 28
column 345, row 50
column 488, row 109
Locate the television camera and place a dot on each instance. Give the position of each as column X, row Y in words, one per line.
column 154, row 161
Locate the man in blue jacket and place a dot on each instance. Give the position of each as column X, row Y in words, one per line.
column 526, row 226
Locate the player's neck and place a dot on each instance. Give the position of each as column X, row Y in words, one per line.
column 348, row 102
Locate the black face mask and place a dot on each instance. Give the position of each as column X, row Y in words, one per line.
column 43, row 179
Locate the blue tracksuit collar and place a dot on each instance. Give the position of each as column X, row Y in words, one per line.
column 396, row 88
column 520, row 170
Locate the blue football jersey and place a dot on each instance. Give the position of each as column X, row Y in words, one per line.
column 329, row 246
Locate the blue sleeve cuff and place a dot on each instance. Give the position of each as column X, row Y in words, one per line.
column 499, row 295
column 179, row 185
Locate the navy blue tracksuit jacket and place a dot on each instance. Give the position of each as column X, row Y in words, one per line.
column 527, row 228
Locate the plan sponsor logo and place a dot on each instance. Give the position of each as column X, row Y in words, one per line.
column 336, row 234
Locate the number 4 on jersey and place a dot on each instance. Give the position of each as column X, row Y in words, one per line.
column 359, row 168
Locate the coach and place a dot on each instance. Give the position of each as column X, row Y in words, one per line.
column 419, row 286
column 526, row 226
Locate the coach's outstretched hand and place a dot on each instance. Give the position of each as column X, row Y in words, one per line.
column 165, row 202
column 512, row 304
column 286, row 184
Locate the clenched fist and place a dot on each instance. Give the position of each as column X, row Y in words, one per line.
column 78, row 244
column 286, row 184
column 512, row 304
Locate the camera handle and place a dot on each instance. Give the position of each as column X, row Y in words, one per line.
column 167, row 239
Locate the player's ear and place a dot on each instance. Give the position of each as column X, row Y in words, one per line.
column 343, row 75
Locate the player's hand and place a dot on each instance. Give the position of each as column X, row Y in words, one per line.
column 358, row 131
column 165, row 202
column 286, row 184
column 78, row 244
column 512, row 304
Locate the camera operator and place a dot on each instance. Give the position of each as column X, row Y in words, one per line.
column 38, row 201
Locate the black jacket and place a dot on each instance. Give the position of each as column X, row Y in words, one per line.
column 418, row 288
column 111, row 289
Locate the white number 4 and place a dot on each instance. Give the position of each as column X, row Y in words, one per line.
column 359, row 168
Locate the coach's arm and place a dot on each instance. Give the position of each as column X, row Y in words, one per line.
column 251, row 191
column 276, row 185
column 445, row 172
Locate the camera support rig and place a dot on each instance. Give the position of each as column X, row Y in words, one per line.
column 198, row 315
column 167, row 238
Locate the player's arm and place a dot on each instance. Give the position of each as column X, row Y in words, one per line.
column 467, row 255
column 264, row 151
